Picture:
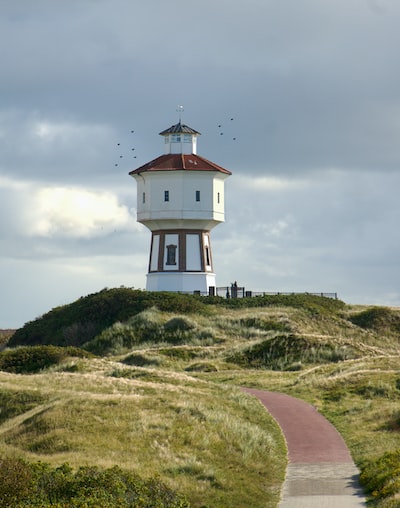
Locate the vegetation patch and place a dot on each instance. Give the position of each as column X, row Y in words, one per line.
column 380, row 319
column 313, row 303
column 141, row 360
column 5, row 335
column 381, row 477
column 150, row 327
column 182, row 352
column 39, row 484
column 167, row 403
column 201, row 367
column 13, row 403
column 29, row 360
column 79, row 322
column 287, row 352
column 265, row 324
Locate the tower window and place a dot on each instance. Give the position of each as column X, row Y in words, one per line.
column 171, row 254
column 166, row 195
column 197, row 195
column 144, row 197
column 208, row 263
column 218, row 198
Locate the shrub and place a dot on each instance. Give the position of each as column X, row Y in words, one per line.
column 38, row 484
column 179, row 324
column 381, row 477
column 265, row 324
column 5, row 336
column 15, row 481
column 113, row 340
column 201, row 367
column 140, row 360
column 289, row 352
column 120, row 337
column 381, row 319
column 79, row 322
column 178, row 329
column 31, row 359
column 313, row 303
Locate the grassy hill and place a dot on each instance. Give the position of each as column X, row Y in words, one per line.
column 150, row 382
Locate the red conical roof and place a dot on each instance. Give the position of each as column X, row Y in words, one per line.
column 179, row 162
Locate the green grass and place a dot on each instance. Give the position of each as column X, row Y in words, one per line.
column 163, row 397
column 205, row 440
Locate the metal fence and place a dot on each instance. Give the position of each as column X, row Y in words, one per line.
column 241, row 292
column 234, row 291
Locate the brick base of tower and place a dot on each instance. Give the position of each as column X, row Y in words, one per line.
column 183, row 282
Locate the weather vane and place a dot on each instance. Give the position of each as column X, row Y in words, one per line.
column 180, row 110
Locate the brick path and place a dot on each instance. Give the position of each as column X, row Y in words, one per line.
column 321, row 472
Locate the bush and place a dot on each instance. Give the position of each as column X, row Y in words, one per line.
column 140, row 360
column 113, row 340
column 380, row 319
column 79, row 322
column 313, row 303
column 32, row 359
column 289, row 352
column 15, row 481
column 381, row 477
column 265, row 324
column 147, row 326
column 201, row 367
column 178, row 329
column 38, row 484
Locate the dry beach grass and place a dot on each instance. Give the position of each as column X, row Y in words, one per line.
column 172, row 406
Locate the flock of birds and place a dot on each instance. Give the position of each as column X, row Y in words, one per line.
column 222, row 130
column 132, row 150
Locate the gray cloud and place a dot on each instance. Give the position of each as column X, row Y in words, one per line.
column 313, row 88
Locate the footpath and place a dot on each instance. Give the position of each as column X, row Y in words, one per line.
column 321, row 472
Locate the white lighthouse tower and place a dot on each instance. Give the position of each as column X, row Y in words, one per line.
column 180, row 198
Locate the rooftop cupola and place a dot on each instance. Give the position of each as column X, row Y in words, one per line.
column 180, row 138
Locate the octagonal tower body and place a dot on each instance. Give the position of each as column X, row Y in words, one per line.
column 180, row 198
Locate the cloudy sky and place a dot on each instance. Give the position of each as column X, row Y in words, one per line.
column 314, row 90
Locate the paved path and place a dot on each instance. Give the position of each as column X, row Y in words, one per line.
column 321, row 472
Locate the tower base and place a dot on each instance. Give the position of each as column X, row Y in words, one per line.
column 180, row 282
